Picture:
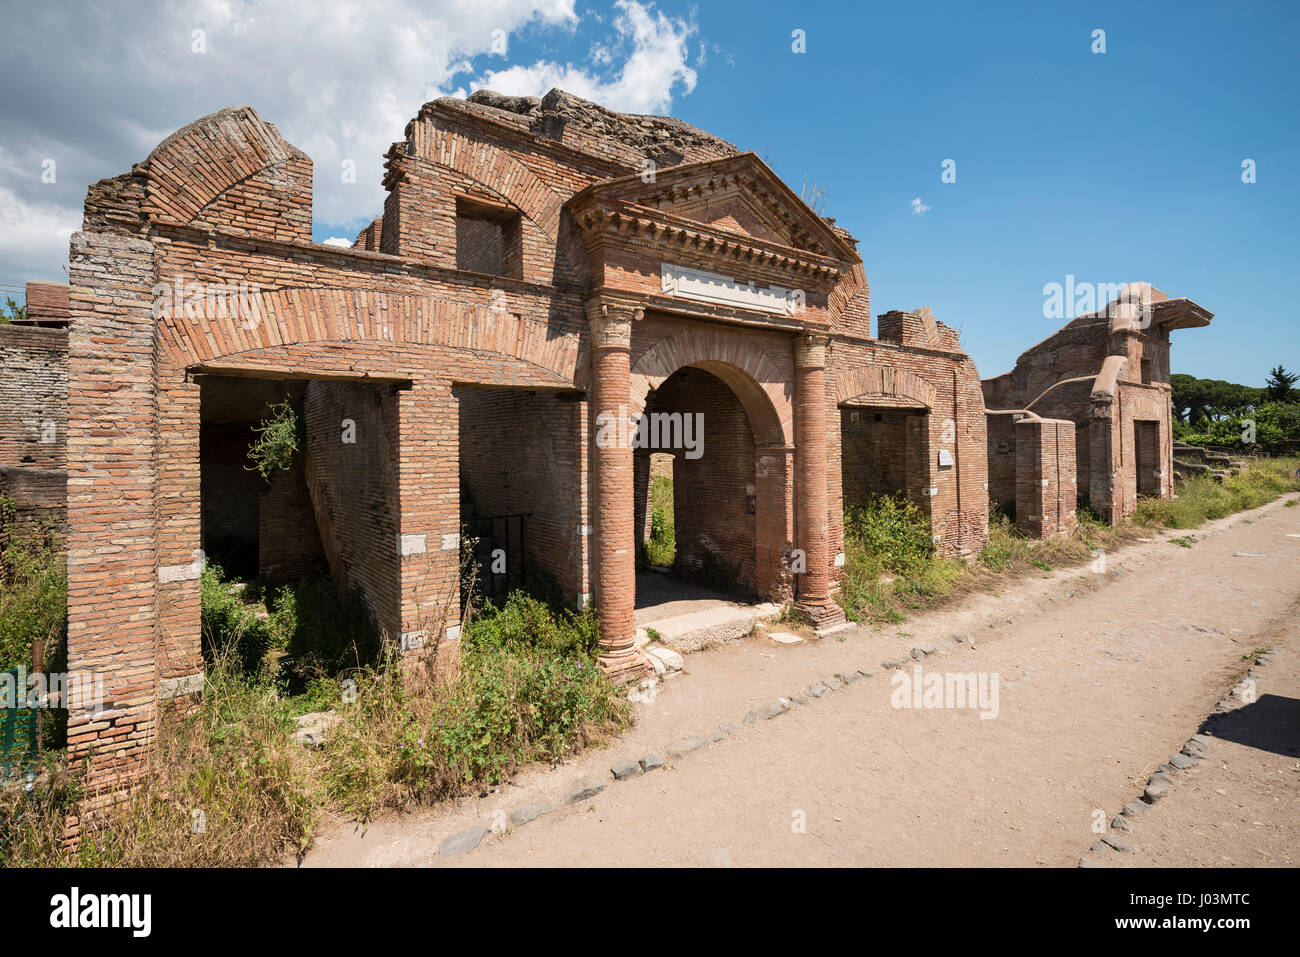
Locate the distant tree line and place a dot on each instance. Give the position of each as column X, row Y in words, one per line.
column 1214, row 412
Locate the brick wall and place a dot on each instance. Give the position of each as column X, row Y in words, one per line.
column 33, row 396
column 354, row 490
column 519, row 454
column 1046, row 474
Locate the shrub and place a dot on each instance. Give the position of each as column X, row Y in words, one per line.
column 33, row 592
column 893, row 530
column 279, row 439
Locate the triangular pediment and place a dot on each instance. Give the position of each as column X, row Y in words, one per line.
column 736, row 194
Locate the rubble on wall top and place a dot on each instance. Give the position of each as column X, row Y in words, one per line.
column 648, row 134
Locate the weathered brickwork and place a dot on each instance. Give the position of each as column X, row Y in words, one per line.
column 544, row 272
column 1046, row 476
column 1106, row 372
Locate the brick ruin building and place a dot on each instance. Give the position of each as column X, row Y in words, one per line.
column 544, row 272
column 1085, row 416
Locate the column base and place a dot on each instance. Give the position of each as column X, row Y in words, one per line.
column 823, row 614
column 626, row 667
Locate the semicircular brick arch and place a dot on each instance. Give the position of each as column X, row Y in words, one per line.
column 882, row 380
column 762, row 387
column 287, row 318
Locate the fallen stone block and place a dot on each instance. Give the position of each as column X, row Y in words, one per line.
column 770, row 711
column 651, row 762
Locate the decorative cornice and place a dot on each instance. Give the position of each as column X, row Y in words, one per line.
column 624, row 223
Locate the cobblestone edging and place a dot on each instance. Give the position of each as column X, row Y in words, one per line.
column 1117, row 839
column 627, row 769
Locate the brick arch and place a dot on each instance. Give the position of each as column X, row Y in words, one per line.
column 286, row 318
column 513, row 181
column 883, row 381
column 763, row 389
column 222, row 169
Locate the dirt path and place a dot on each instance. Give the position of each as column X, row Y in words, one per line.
column 1104, row 674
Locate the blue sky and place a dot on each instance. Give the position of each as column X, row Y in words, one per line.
column 1111, row 167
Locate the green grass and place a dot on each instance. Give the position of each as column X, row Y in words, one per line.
column 1201, row 498
column 529, row 688
column 891, row 570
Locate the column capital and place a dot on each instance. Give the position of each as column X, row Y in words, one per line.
column 810, row 350
column 611, row 322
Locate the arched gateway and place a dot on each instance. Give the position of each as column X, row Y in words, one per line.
column 533, row 277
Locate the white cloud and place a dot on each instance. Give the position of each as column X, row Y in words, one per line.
column 339, row 241
column 98, row 85
column 919, row 208
column 656, row 65
column 34, row 239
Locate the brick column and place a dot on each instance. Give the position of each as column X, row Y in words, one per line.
column 612, row 486
column 113, row 569
column 428, row 539
column 812, row 511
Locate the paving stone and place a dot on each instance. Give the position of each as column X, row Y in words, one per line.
column 751, row 717
column 530, row 812
column 1118, row 843
column 815, row 691
column 1120, row 823
column 1098, row 847
column 834, row 684
column 622, row 770
column 892, row 664
column 799, row 699
column 1134, row 808
column 651, row 762
column 1089, row 862
column 587, row 789
column 461, row 842
column 717, row 736
column 685, row 747
column 851, row 677
column 728, row 727
column 1182, row 761
column 784, row 638
column 770, row 711
column 866, row 673
column 1154, row 792
column 671, row 659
